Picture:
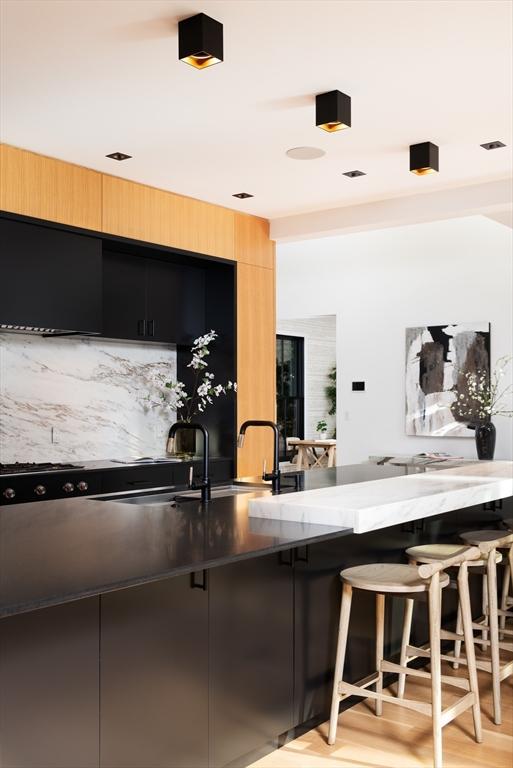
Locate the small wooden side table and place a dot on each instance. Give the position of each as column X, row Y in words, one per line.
column 308, row 456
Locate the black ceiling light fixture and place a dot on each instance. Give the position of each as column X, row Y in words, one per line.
column 200, row 41
column 119, row 156
column 333, row 111
column 423, row 158
column 242, row 195
column 493, row 145
column 354, row 174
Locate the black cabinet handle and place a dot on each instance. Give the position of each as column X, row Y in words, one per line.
column 151, row 327
column 199, row 580
column 301, row 554
column 286, row 557
column 141, row 328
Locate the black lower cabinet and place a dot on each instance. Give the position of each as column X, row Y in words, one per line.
column 251, row 657
column 154, row 676
column 49, row 686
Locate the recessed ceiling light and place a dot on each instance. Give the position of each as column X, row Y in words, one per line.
column 242, row 195
column 305, row 153
column 333, row 111
column 200, row 41
column 119, row 156
column 423, row 158
column 493, row 145
column 354, row 174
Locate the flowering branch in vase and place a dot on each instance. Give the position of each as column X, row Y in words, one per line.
column 484, row 396
column 173, row 396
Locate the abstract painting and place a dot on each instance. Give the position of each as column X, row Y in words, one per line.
column 438, row 357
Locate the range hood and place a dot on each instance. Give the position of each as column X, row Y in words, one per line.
column 33, row 329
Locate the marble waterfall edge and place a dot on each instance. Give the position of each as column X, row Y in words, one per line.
column 380, row 503
column 90, row 391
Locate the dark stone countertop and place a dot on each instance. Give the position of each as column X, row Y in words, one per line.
column 54, row 552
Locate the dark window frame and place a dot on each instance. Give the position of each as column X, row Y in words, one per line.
column 286, row 402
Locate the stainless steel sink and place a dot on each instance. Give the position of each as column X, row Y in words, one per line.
column 167, row 496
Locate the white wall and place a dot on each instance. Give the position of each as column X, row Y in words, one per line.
column 319, row 334
column 378, row 283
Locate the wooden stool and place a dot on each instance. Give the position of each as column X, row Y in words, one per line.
column 407, row 581
column 432, row 553
column 488, row 542
column 507, row 582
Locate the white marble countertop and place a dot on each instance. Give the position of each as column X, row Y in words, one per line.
column 379, row 503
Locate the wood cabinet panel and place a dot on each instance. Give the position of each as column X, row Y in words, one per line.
column 155, row 216
column 34, row 185
column 256, row 374
column 252, row 244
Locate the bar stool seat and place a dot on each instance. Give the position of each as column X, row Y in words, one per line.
column 431, row 553
column 389, row 577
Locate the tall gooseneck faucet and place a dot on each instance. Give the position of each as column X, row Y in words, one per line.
column 204, row 486
column 274, row 476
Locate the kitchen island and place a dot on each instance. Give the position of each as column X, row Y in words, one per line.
column 180, row 637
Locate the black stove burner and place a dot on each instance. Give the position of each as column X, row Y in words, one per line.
column 20, row 467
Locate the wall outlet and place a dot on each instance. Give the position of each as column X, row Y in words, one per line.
column 55, row 435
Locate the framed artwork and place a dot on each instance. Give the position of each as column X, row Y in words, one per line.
column 438, row 357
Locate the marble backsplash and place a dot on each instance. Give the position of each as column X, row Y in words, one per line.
column 87, row 393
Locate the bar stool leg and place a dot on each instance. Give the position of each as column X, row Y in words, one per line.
column 405, row 640
column 380, row 640
column 436, row 671
column 459, row 630
column 484, row 605
column 505, row 592
column 345, row 611
column 494, row 635
column 465, row 619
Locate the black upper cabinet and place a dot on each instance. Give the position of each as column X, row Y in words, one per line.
column 124, row 296
column 51, row 278
column 152, row 299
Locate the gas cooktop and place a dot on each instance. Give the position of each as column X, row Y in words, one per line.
column 19, row 467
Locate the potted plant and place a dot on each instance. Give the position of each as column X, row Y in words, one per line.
column 172, row 395
column 481, row 400
column 322, row 429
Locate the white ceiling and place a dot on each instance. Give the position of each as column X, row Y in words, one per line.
column 83, row 78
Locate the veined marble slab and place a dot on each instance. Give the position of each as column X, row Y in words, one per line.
column 380, row 503
column 91, row 392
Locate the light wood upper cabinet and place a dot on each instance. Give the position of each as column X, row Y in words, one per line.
column 256, row 366
column 34, row 185
column 252, row 244
column 155, row 216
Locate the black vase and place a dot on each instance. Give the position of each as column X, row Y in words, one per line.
column 485, row 440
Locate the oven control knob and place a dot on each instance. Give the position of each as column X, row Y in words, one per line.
column 82, row 486
column 40, row 490
column 68, row 487
column 9, row 493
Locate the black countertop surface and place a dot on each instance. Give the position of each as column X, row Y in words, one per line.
column 53, row 552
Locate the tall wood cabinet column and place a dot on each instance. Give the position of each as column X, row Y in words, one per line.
column 256, row 339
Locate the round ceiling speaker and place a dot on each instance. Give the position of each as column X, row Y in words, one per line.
column 305, row 153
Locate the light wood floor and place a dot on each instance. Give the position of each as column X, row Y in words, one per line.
column 402, row 738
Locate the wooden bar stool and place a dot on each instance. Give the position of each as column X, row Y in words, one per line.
column 489, row 541
column 507, row 582
column 407, row 581
column 432, row 553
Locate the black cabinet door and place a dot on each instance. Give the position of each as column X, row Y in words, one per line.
column 251, row 656
column 176, row 302
column 124, row 296
column 49, row 669
column 50, row 278
column 154, row 676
